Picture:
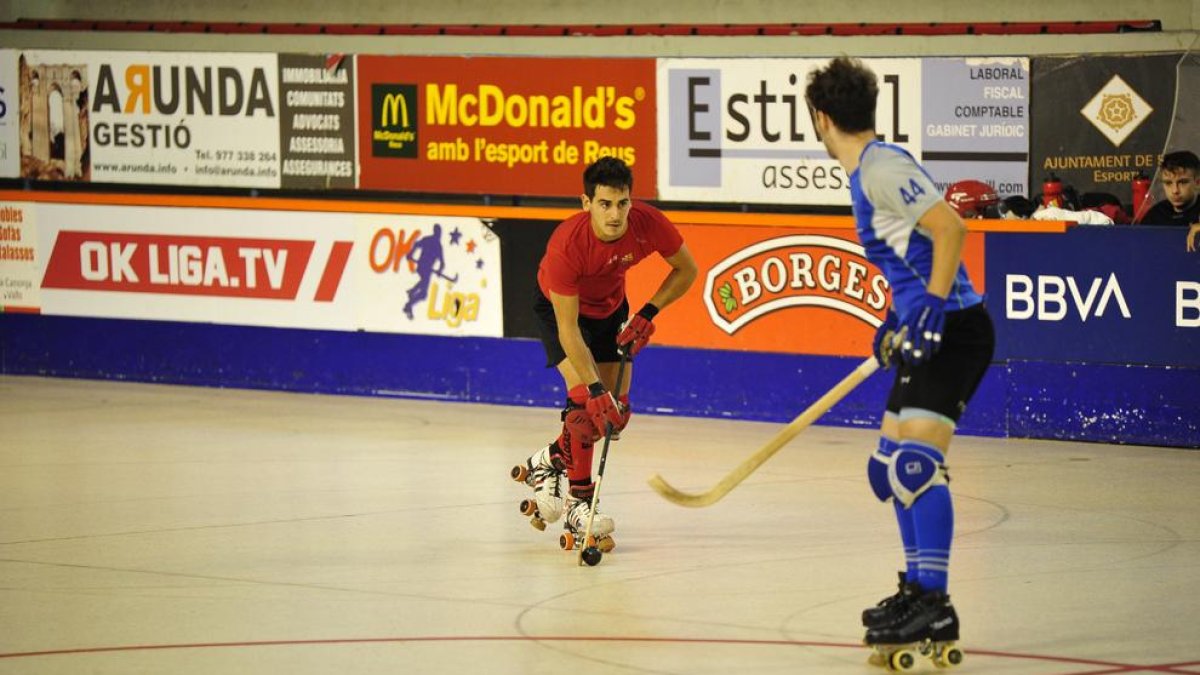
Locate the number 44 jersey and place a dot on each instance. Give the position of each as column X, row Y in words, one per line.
column 890, row 192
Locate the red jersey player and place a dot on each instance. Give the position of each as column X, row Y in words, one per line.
column 583, row 315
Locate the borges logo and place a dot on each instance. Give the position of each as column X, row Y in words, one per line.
column 394, row 120
column 794, row 271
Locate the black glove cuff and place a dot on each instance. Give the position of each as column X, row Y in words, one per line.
column 596, row 389
column 648, row 311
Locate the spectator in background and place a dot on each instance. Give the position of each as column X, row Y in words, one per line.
column 1179, row 172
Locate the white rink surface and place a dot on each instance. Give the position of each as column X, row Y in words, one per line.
column 161, row 529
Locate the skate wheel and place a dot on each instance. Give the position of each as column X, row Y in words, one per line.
column 949, row 657
column 567, row 541
column 605, row 544
column 519, row 473
column 902, row 660
column 528, row 507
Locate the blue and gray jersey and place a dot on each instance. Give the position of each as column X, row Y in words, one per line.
column 890, row 192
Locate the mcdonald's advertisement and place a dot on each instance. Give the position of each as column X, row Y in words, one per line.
column 520, row 126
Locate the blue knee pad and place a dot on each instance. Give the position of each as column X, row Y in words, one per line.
column 915, row 468
column 877, row 468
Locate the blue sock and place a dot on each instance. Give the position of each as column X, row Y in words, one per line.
column 933, row 520
column 904, row 519
column 908, row 535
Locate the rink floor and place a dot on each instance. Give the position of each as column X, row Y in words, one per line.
column 163, row 529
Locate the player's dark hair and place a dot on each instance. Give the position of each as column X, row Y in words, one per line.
column 845, row 90
column 1183, row 160
column 608, row 171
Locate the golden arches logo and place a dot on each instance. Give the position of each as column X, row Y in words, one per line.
column 394, row 108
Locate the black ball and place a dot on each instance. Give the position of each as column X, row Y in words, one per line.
column 592, row 556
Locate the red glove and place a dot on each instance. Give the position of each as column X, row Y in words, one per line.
column 638, row 330
column 602, row 408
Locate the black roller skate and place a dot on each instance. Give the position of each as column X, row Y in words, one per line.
column 890, row 607
column 927, row 627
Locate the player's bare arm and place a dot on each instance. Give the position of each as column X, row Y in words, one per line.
column 948, row 233
column 582, row 368
column 683, row 273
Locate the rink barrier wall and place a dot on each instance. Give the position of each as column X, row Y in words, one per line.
column 1109, row 403
column 1113, row 360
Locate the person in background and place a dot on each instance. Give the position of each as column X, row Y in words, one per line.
column 1180, row 176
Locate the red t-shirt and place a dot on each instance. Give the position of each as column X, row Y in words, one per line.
column 577, row 262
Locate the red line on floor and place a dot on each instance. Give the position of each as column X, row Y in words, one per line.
column 1110, row 666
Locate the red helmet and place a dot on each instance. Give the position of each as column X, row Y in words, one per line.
column 971, row 198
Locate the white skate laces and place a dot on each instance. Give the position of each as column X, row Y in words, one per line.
column 546, row 481
column 577, row 518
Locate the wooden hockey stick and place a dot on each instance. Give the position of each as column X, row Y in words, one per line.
column 751, row 463
column 608, row 432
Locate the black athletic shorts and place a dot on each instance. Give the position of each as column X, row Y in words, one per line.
column 600, row 335
column 945, row 383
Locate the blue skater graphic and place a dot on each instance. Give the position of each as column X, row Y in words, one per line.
column 426, row 256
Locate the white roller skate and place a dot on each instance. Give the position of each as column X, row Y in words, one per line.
column 576, row 524
column 547, row 481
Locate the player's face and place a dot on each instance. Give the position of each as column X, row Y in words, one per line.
column 610, row 212
column 1180, row 187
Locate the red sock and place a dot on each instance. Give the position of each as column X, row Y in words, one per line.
column 578, row 439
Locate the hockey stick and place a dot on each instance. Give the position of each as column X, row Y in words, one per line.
column 751, row 463
column 608, row 432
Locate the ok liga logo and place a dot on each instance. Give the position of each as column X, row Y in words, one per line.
column 794, row 271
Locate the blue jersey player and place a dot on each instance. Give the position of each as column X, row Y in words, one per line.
column 945, row 345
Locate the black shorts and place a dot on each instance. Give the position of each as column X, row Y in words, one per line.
column 600, row 335
column 946, row 383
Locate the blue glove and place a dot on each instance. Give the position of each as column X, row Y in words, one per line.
column 882, row 346
column 922, row 325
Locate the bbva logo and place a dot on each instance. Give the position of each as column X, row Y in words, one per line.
column 1051, row 297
